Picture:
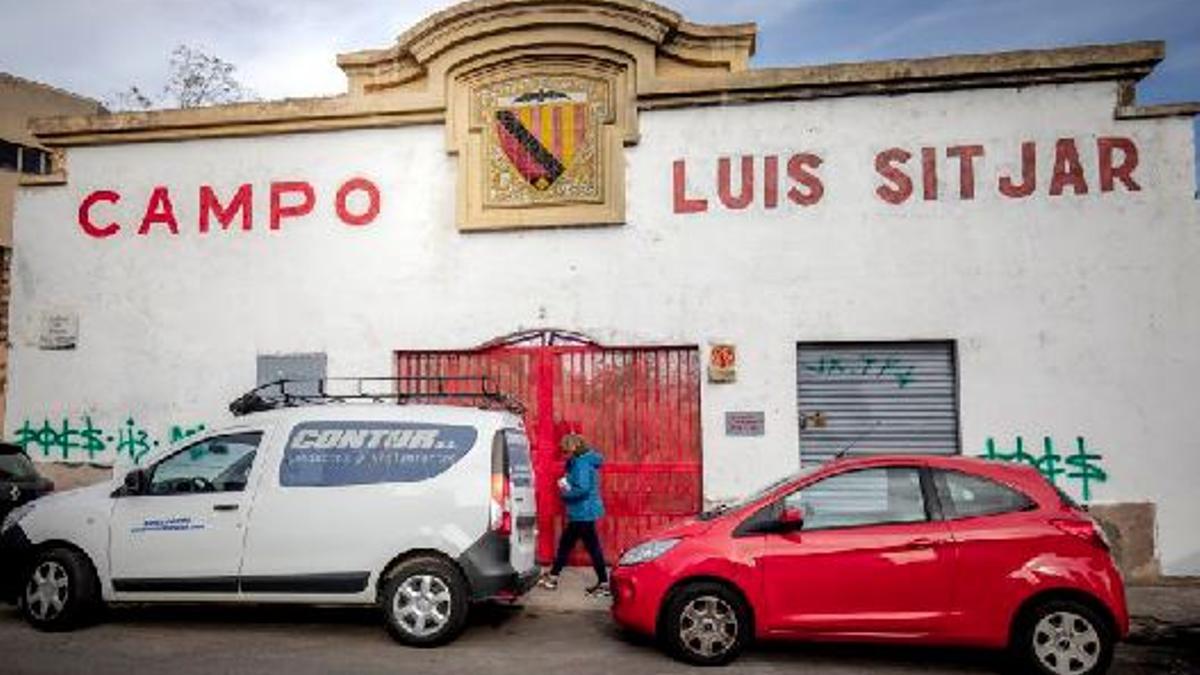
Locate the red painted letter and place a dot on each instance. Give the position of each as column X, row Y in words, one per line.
column 902, row 187
column 1067, row 169
column 724, row 189
column 771, row 181
column 279, row 211
column 85, row 214
column 683, row 203
column 358, row 185
column 966, row 155
column 929, row 173
column 797, row 169
column 211, row 206
column 1028, row 174
column 1123, row 171
column 159, row 210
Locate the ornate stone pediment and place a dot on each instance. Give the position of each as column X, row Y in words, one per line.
column 541, row 97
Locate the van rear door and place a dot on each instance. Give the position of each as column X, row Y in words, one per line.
column 519, row 465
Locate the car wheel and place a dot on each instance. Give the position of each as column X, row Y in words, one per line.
column 705, row 624
column 60, row 591
column 425, row 602
column 1064, row 637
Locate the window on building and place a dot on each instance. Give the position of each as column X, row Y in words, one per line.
column 35, row 161
column 301, row 370
column 857, row 498
column 965, row 496
column 10, row 156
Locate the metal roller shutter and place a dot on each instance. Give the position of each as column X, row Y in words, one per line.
column 880, row 397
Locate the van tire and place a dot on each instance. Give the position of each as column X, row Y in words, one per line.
column 425, row 601
column 59, row 591
column 715, row 614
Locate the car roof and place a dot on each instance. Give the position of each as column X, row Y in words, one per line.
column 382, row 412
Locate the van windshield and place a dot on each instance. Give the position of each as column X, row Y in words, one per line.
column 16, row 466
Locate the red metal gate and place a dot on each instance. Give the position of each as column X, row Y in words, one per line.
column 639, row 406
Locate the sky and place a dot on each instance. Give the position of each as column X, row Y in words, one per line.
column 287, row 48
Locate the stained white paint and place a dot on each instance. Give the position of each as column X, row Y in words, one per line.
column 1074, row 316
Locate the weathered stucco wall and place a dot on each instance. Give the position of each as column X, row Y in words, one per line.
column 1074, row 315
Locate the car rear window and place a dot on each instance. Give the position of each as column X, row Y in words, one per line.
column 966, row 496
column 330, row 454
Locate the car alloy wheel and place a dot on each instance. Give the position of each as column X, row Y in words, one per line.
column 423, row 605
column 1066, row 643
column 48, row 590
column 708, row 627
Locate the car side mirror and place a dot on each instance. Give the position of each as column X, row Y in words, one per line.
column 136, row 482
column 791, row 518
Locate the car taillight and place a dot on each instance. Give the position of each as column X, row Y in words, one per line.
column 1086, row 530
column 501, row 505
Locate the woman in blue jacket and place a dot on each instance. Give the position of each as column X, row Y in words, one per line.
column 580, row 491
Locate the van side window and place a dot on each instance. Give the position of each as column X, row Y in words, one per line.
column 218, row 464
column 966, row 496
column 879, row 496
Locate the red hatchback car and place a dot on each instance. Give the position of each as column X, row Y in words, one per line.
column 901, row 549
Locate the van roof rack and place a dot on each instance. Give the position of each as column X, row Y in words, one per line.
column 475, row 390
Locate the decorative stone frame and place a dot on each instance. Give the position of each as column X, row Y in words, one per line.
column 470, row 136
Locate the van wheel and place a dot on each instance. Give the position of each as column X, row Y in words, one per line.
column 425, row 601
column 60, row 591
column 705, row 624
column 1063, row 637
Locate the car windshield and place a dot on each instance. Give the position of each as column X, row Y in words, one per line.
column 758, row 494
column 16, row 466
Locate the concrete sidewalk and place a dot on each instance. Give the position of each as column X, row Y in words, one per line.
column 1164, row 614
column 1159, row 614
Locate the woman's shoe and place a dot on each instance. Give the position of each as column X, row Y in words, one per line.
column 548, row 582
column 600, row 590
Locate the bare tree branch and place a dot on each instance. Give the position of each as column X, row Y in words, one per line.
column 196, row 79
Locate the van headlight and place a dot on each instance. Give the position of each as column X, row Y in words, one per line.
column 15, row 516
column 647, row 551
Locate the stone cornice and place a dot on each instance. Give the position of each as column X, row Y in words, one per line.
column 673, row 63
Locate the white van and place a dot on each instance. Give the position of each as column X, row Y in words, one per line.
column 418, row 509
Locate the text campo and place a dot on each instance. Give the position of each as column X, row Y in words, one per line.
column 356, row 203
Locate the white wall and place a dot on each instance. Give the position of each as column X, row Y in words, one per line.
column 1074, row 316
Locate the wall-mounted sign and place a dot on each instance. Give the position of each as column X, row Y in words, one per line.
column 722, row 363
column 745, row 423
column 58, row 330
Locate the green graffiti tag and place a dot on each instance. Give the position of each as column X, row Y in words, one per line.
column 1082, row 467
column 82, row 440
column 179, row 433
column 868, row 365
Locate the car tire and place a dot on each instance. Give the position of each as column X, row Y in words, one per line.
column 1063, row 637
column 59, row 591
column 705, row 624
column 425, row 602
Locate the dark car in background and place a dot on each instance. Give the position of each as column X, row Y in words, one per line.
column 20, row 481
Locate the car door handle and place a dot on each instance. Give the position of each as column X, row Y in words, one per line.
column 225, row 507
column 919, row 544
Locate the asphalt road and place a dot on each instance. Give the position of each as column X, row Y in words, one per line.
column 536, row 638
